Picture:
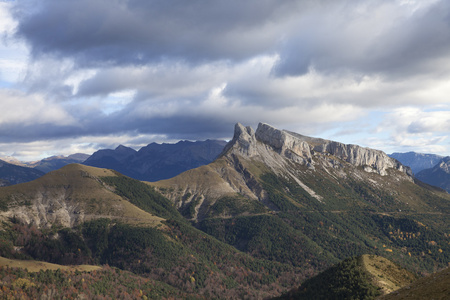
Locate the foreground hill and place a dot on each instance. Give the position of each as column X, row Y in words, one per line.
column 11, row 174
column 417, row 161
column 68, row 197
column 50, row 281
column 439, row 175
column 311, row 202
column 157, row 161
column 363, row 277
column 436, row 286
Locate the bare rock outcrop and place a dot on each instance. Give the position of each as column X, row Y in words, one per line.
column 306, row 150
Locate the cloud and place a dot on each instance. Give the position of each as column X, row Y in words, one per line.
column 105, row 32
column 415, row 128
column 134, row 69
column 19, row 109
column 392, row 38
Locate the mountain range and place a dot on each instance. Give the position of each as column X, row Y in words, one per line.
column 439, row 175
column 157, row 161
column 417, row 161
column 13, row 174
column 274, row 209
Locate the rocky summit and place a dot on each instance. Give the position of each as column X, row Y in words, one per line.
column 310, row 151
column 295, row 157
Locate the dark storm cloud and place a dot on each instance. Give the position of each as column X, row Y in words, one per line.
column 369, row 36
column 140, row 31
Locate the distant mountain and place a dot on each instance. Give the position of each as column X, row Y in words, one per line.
column 56, row 162
column 11, row 174
column 363, row 277
column 157, row 161
column 417, row 161
column 438, row 176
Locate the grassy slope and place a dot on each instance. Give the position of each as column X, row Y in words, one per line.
column 78, row 188
column 364, row 277
column 436, row 286
column 36, row 266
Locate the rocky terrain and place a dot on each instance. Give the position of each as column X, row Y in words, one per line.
column 284, row 153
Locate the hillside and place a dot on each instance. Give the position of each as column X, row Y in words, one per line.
column 157, row 161
column 67, row 197
column 85, row 215
column 435, row 286
column 50, row 281
column 363, row 277
column 311, row 202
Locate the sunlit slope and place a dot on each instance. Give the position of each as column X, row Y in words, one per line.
column 70, row 196
column 364, row 277
column 436, row 286
column 36, row 266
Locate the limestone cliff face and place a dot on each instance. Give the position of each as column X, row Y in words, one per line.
column 251, row 154
column 306, row 150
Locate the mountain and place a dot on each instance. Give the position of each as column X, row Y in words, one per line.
column 363, row 277
column 434, row 286
column 438, row 176
column 11, row 174
column 417, row 161
column 55, row 162
column 117, row 159
column 311, row 202
column 157, row 161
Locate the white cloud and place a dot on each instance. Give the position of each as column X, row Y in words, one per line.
column 22, row 109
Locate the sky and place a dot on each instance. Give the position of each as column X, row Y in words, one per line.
column 78, row 76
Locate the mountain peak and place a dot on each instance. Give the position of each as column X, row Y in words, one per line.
column 307, row 150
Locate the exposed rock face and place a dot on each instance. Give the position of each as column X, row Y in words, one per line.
column 251, row 154
column 305, row 150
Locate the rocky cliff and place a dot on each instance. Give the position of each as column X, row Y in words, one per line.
column 297, row 158
column 307, row 150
